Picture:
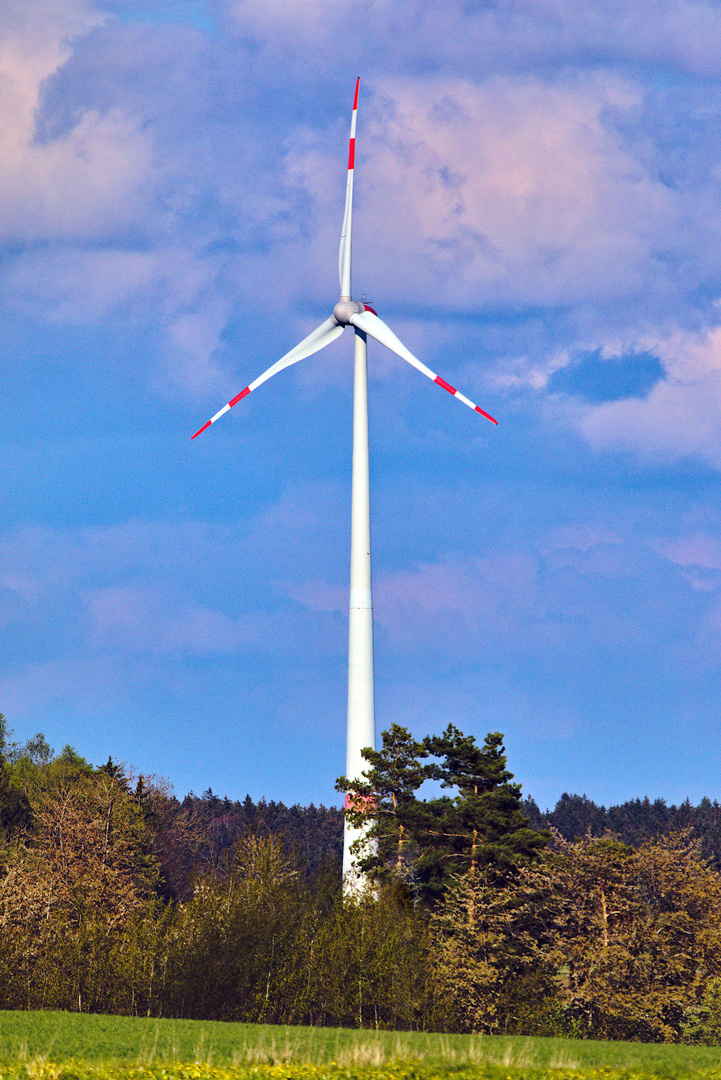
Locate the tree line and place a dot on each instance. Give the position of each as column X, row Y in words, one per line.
column 117, row 897
column 635, row 822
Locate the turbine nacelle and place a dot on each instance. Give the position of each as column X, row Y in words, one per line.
column 346, row 308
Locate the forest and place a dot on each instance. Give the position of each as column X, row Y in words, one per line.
column 482, row 913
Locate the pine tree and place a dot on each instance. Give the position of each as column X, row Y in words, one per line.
column 483, row 826
column 388, row 797
column 424, row 841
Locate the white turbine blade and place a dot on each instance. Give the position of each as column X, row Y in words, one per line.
column 321, row 337
column 369, row 323
column 344, row 253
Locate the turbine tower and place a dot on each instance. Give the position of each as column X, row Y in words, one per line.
column 364, row 322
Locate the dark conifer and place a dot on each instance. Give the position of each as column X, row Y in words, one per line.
column 423, row 841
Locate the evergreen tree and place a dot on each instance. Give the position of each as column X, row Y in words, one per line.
column 424, row 841
column 388, row 796
column 576, row 816
column 483, row 826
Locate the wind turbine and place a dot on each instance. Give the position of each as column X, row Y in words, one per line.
column 365, row 322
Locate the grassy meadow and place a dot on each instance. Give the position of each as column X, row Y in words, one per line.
column 72, row 1046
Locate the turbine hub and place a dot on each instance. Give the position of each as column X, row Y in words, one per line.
column 345, row 308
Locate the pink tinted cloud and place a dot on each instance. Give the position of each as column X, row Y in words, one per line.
column 707, row 641
column 78, row 285
column 552, row 598
column 698, row 549
column 440, row 602
column 83, row 184
column 699, row 556
column 48, row 563
column 522, row 192
column 156, row 620
column 582, row 535
column 70, row 197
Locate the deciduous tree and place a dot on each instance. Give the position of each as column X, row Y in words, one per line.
column 634, row 935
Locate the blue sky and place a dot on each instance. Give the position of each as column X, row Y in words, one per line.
column 538, row 217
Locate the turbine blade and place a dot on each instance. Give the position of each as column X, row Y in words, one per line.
column 344, row 253
column 321, row 337
column 369, row 323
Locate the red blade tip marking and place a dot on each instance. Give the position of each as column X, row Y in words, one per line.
column 200, row 432
column 366, row 306
column 487, row 416
column 239, row 397
column 351, row 154
column 355, row 99
column 445, row 385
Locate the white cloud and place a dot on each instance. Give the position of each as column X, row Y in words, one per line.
column 680, row 417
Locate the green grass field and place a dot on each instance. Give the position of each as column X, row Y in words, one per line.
column 71, row 1046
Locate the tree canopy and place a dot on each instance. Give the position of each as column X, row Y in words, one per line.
column 423, row 841
column 117, row 897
